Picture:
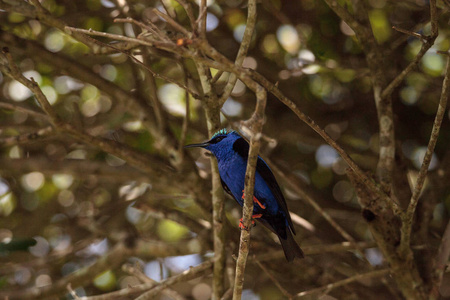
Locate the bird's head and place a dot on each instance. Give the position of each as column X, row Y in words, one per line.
column 220, row 144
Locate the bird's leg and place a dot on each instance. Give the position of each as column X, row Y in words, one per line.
column 255, row 200
column 241, row 223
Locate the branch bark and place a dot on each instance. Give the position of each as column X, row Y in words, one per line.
column 329, row 287
column 256, row 122
column 407, row 218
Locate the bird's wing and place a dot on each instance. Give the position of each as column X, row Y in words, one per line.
column 242, row 148
column 263, row 169
column 226, row 188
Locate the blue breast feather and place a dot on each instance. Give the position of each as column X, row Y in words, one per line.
column 232, row 173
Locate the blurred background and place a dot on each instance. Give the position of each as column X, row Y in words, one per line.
column 68, row 203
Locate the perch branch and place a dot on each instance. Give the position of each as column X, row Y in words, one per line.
column 256, row 122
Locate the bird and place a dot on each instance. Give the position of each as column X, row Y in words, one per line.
column 269, row 206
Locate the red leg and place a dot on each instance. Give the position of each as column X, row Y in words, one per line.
column 241, row 224
column 255, row 200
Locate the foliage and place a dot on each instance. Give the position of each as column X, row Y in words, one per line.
column 99, row 98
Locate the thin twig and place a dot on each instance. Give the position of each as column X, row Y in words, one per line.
column 159, row 112
column 172, row 22
column 163, row 213
column 149, row 27
column 136, row 271
column 217, row 76
column 16, row 107
column 146, row 42
column 329, row 287
column 441, row 262
column 427, row 43
column 189, row 12
column 186, row 119
column 243, row 49
column 257, row 121
column 274, row 280
column 193, row 272
column 309, row 199
column 27, row 137
column 33, row 86
column 72, row 292
column 109, row 260
column 201, row 20
column 37, row 11
column 410, row 33
column 321, row 249
column 347, row 17
column 155, row 74
column 407, row 219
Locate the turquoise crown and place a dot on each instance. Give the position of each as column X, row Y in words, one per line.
column 222, row 131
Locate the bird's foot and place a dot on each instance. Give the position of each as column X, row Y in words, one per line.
column 241, row 223
column 255, row 200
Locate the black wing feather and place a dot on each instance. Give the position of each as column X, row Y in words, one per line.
column 242, row 147
column 263, row 169
column 226, row 188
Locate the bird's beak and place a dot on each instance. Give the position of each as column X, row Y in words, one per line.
column 202, row 145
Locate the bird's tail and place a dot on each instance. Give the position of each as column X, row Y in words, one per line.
column 290, row 247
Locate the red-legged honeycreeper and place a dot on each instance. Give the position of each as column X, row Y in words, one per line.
column 270, row 209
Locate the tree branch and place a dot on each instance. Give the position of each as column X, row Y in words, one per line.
column 427, row 43
column 440, row 263
column 256, row 122
column 407, row 218
column 192, row 273
column 329, row 287
column 320, row 249
column 36, row 11
column 80, row 277
column 26, row 138
column 243, row 49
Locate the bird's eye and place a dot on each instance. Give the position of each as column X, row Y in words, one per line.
column 219, row 138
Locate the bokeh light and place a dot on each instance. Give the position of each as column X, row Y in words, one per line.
column 173, row 98
column 156, row 271
column 288, row 38
column 326, row 156
column 232, row 108
column 106, row 281
column 211, row 22
column 42, row 247
column 170, row 231
column 33, row 181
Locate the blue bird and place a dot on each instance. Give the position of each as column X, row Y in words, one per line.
column 270, row 209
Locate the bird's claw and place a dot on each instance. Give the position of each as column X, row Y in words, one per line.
column 255, row 200
column 243, row 227
column 241, row 222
